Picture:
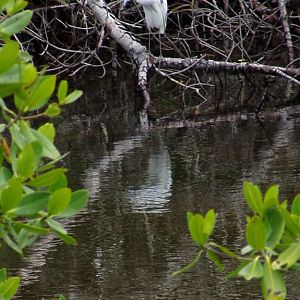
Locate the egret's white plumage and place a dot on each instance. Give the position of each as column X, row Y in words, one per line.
column 155, row 13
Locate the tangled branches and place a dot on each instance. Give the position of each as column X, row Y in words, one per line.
column 256, row 33
column 66, row 38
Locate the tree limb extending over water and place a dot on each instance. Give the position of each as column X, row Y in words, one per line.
column 144, row 60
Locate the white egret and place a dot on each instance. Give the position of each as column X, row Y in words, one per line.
column 155, row 13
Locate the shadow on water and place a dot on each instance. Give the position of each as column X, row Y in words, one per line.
column 133, row 233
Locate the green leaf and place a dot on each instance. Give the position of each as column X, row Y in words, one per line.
column 42, row 91
column 28, row 236
column 49, row 150
column 18, row 6
column 196, row 225
column 52, row 163
column 295, row 267
column 28, row 159
column 209, row 222
column 5, row 174
column 9, row 287
column 271, row 197
column 71, row 97
column 224, row 250
column 32, row 228
column 61, row 232
column 10, row 242
column 256, row 233
column 288, row 257
column 47, row 130
column 61, row 297
column 11, row 80
column 11, row 194
column 252, row 269
column 53, row 110
column 276, row 225
column 253, row 197
column 61, row 182
column 32, row 204
column 54, row 225
column 189, row 266
column 189, row 216
column 296, row 205
column 235, row 272
column 68, row 239
column 29, row 75
column 272, row 283
column 16, row 23
column 215, row 259
column 78, row 201
column 25, row 56
column 59, row 201
column 47, row 178
column 3, row 274
column 8, row 55
column 62, row 91
column 17, row 136
column 291, row 222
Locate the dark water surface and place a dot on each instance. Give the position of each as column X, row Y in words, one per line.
column 133, row 234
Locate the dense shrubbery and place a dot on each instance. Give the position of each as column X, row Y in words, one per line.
column 34, row 193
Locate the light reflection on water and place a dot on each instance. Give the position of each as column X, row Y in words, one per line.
column 133, row 233
column 154, row 194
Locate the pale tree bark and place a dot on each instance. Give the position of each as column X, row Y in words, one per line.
column 286, row 30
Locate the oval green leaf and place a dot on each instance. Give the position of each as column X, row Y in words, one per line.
column 276, row 225
column 47, row 130
column 8, row 55
column 62, row 91
column 28, row 159
column 53, row 110
column 47, row 178
column 272, row 283
column 42, row 91
column 78, row 201
column 296, row 205
column 16, row 23
column 31, row 204
column 196, row 230
column 288, row 257
column 256, row 233
column 71, row 97
column 59, row 201
column 11, row 194
column 252, row 269
column 253, row 197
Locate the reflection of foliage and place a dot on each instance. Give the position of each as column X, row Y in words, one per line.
column 34, row 195
column 272, row 234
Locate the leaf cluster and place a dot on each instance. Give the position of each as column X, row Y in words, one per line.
column 272, row 235
column 34, row 193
